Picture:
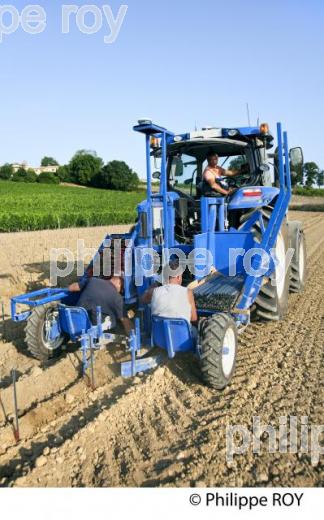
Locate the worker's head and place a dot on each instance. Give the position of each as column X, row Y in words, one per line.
column 117, row 282
column 175, row 272
column 212, row 159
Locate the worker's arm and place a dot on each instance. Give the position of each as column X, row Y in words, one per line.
column 227, row 173
column 78, row 286
column 127, row 324
column 121, row 314
column 210, row 178
column 74, row 287
column 194, row 315
column 147, row 296
column 244, row 169
column 231, row 173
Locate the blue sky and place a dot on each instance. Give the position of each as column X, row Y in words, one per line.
column 180, row 63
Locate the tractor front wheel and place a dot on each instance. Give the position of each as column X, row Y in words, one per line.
column 43, row 335
column 218, row 348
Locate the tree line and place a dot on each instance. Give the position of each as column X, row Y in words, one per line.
column 309, row 175
column 85, row 168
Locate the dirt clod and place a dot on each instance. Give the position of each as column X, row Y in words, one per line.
column 41, row 461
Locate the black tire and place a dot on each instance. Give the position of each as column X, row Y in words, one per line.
column 271, row 303
column 298, row 271
column 36, row 334
column 213, row 330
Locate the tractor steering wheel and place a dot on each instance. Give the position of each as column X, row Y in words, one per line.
column 238, row 181
column 245, row 179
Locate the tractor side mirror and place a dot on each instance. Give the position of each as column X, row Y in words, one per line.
column 156, row 175
column 296, row 157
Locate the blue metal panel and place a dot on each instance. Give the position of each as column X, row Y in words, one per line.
column 226, row 261
column 164, row 192
column 212, row 214
column 34, row 299
column 203, row 263
column 221, row 215
column 172, row 334
column 204, row 215
column 220, row 245
column 149, row 191
column 183, row 137
column 287, row 162
column 74, row 321
column 246, row 130
column 151, row 129
column 240, row 201
column 142, row 365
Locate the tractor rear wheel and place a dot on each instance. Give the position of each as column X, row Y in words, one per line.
column 298, row 273
column 218, row 347
column 43, row 336
column 271, row 303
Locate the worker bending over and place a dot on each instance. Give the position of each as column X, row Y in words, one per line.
column 97, row 292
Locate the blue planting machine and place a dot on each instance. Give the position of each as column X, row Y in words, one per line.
column 241, row 253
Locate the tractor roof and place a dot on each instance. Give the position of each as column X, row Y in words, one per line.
column 146, row 126
column 201, row 147
column 226, row 141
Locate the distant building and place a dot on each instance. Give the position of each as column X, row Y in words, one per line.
column 37, row 170
column 42, row 169
column 16, row 166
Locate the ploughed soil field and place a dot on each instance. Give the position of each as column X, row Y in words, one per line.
column 163, row 428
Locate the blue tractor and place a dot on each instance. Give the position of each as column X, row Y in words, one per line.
column 240, row 253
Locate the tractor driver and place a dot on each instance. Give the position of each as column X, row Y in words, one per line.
column 212, row 176
column 106, row 294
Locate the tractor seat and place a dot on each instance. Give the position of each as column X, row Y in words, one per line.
column 74, row 320
column 172, row 334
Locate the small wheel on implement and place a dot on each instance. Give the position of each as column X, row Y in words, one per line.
column 298, row 272
column 43, row 335
column 218, row 345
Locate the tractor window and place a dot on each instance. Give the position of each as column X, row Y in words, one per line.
column 233, row 162
column 183, row 171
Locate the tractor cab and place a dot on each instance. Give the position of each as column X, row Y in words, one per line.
column 183, row 159
column 188, row 161
column 186, row 164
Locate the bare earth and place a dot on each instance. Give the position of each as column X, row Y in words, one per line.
column 303, row 203
column 164, row 428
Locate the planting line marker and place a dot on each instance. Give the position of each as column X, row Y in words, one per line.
column 16, row 425
column 93, row 387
